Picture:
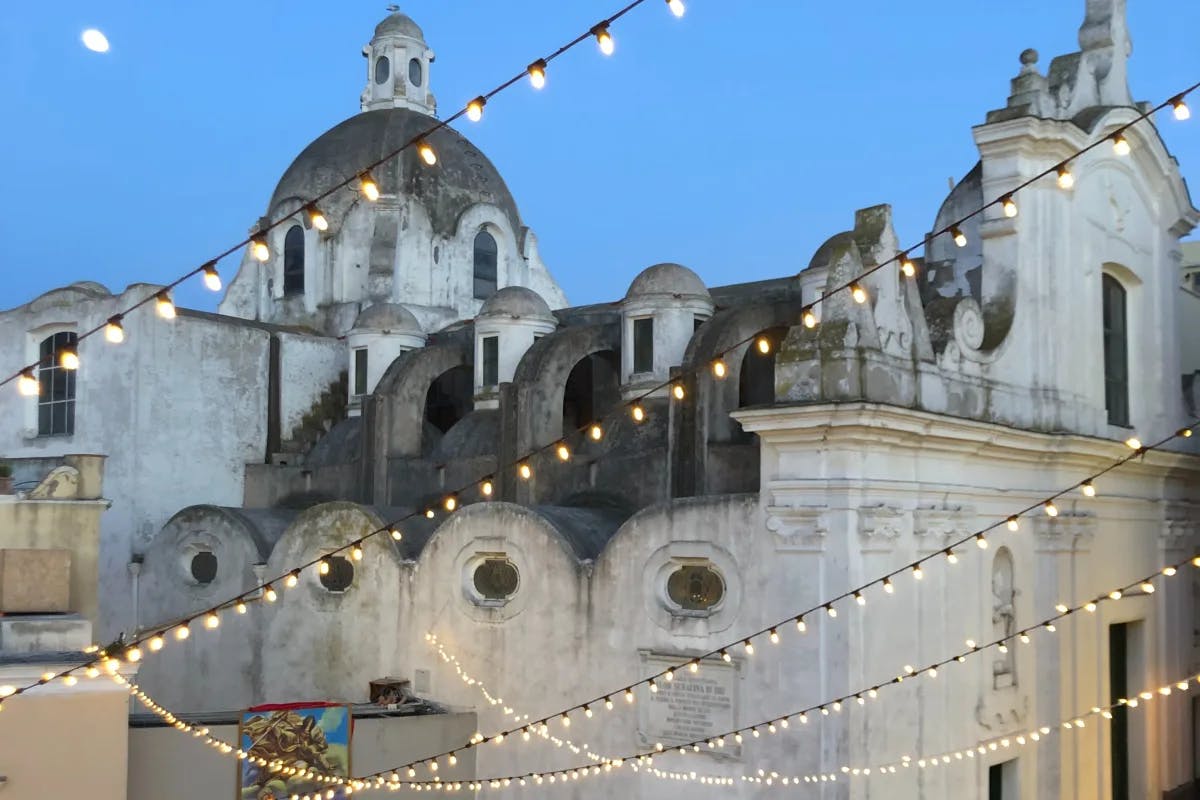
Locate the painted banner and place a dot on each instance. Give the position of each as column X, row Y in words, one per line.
column 312, row 735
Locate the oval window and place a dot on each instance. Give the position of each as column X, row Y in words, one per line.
column 383, row 69
column 204, row 567
column 414, row 72
column 695, row 587
column 496, row 579
column 339, row 576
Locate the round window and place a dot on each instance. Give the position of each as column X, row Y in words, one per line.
column 496, row 579
column 414, row 72
column 383, row 69
column 204, row 567
column 339, row 576
column 695, row 587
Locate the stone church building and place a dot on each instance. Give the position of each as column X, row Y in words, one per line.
column 419, row 345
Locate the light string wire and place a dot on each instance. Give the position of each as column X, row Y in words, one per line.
column 599, row 31
column 391, row 779
column 773, row 725
column 266, row 589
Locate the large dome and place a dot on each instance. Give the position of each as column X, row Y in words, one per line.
column 399, row 25
column 462, row 177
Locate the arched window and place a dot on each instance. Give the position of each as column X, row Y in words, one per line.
column 382, row 69
column 293, row 261
column 486, row 254
column 1116, row 356
column 414, row 72
column 56, row 387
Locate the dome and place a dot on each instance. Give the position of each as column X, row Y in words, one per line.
column 517, row 302
column 670, row 279
column 825, row 253
column 387, row 317
column 397, row 24
column 462, row 177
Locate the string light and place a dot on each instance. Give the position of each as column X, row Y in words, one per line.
column 678, row 392
column 860, row 599
column 316, row 219
column 487, row 487
column 917, row 572
column 1050, row 509
column 323, row 567
column 719, row 369
column 270, row 594
column 809, row 319
column 537, row 73
column 212, row 621
column 858, row 293
column 639, row 413
column 1065, row 179
column 1133, row 443
column 114, row 333
column 907, row 266
column 1088, row 488
column 292, row 579
column 356, row 551
column 595, row 432
column 959, row 237
column 164, row 305
column 182, row 632
column 27, row 384
column 604, row 38
column 1009, row 206
column 676, row 7
column 258, row 247
column 1013, row 523
column 475, row 109
column 1120, row 144
column 1182, row 112
column 212, row 278
column 524, row 470
column 368, row 186
column 981, row 541
column 764, row 346
column 887, row 586
column 951, row 557
column 426, row 152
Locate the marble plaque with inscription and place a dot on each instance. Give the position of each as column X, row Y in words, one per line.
column 692, row 707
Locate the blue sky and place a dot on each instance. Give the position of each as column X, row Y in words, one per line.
column 734, row 141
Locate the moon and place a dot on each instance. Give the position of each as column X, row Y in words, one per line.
column 95, row 41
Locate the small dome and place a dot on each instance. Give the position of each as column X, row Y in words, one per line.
column 517, row 302
column 387, row 317
column 669, row 279
column 839, row 241
column 397, row 24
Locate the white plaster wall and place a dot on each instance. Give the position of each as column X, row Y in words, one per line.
column 674, row 325
column 515, row 337
column 178, row 408
column 308, row 366
column 1187, row 313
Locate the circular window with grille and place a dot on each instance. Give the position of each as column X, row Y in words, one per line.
column 496, row 580
column 696, row 588
column 204, row 567
column 339, row 575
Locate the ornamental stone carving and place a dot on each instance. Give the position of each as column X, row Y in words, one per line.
column 798, row 528
column 879, row 527
column 935, row 528
column 1065, row 533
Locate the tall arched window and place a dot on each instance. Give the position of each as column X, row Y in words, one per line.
column 486, row 254
column 1116, row 352
column 56, row 395
column 293, row 261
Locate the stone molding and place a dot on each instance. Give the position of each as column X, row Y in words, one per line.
column 1066, row 533
column 879, row 527
column 798, row 528
column 935, row 528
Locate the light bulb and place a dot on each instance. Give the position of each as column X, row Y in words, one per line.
column 764, row 346
column 429, row 513
column 719, row 369
column 653, row 686
column 639, row 413
column 604, row 39
column 887, row 586
column 212, row 279
column 68, row 357
column 773, row 636
column 809, row 319
column 426, row 152
column 1050, row 508
column 270, row 594
column 537, row 73
column 858, row 597
column 487, row 487
column 323, row 567
column 525, row 471
column 1065, row 179
column 475, row 109
column 450, row 503
column 27, row 384
column 1009, row 206
column 156, row 643
column 629, row 695
column 1168, row 571
column 212, row 621
column 858, row 293
column 694, row 666
column 676, row 7
column 258, row 247
column 1182, row 112
column 133, row 655
column 831, row 611
column 368, row 186
column 1133, row 443
column 608, row 704
column 291, row 580
column 596, row 432
column 1186, row 433
column 981, row 541
column 1090, row 607
column 1147, row 587
column 918, row 573
column 907, row 267
column 959, row 237
column 563, row 452
column 951, row 557
column 356, row 551
column 1088, row 488
column 1013, row 524
column 166, row 308
column 1120, row 145
column 182, row 632
column 317, row 219
column 677, row 391
column 800, row 625
column 1115, row 594
column 240, row 607
column 113, row 331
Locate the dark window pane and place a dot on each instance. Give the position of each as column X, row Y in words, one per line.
column 44, row 428
column 491, row 360
column 496, row 579
column 695, row 587
column 56, row 401
column 1118, row 680
column 293, row 261
column 414, row 72
column 204, row 567
column 382, row 69
column 58, row 412
column 486, row 257
column 1116, row 358
column 643, row 345
column 360, row 371
column 697, row 322
column 340, row 574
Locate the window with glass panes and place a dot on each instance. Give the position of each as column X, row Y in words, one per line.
column 56, row 397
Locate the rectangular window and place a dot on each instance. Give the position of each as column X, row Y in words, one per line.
column 1118, row 686
column 360, row 370
column 643, row 345
column 56, row 385
column 491, row 360
column 697, row 322
column 1116, row 357
column 1002, row 781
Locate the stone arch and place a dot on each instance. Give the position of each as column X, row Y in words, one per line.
column 705, row 421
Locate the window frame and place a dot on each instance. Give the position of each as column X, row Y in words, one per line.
column 485, row 277
column 1114, row 332
column 415, row 65
column 293, row 262
column 489, row 363
column 386, row 64
column 677, row 608
column 639, row 365
column 49, row 373
column 361, row 370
